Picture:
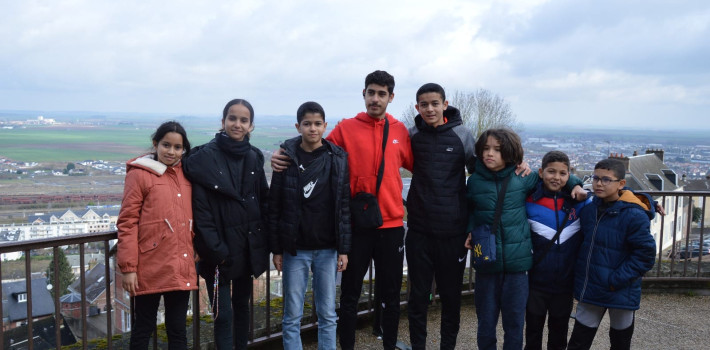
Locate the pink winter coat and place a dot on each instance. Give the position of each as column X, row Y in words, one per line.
column 155, row 227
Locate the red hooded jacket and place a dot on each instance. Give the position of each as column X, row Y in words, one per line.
column 361, row 137
column 155, row 227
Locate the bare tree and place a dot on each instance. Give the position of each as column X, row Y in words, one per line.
column 480, row 110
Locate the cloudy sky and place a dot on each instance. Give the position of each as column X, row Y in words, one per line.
column 597, row 63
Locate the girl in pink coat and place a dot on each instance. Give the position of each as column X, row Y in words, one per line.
column 155, row 252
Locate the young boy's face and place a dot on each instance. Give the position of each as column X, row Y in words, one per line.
column 492, row 157
column 311, row 128
column 610, row 191
column 554, row 176
column 431, row 107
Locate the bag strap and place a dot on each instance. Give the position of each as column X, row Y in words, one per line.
column 381, row 171
column 552, row 242
column 499, row 204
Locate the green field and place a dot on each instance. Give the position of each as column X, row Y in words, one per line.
column 72, row 144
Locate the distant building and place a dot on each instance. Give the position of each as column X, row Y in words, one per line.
column 95, row 307
column 698, row 202
column 14, row 302
column 64, row 223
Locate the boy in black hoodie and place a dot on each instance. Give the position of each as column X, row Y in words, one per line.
column 309, row 224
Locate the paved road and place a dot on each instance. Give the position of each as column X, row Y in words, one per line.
column 665, row 321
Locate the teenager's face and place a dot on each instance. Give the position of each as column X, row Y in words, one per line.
column 169, row 149
column 311, row 128
column 554, row 176
column 377, row 97
column 431, row 107
column 237, row 123
column 492, row 157
column 610, row 191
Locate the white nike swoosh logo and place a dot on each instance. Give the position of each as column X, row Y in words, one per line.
column 462, row 259
column 401, row 249
column 308, row 189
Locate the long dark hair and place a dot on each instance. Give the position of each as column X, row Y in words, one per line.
column 171, row 126
column 511, row 149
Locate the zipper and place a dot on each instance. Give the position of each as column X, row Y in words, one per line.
column 557, row 227
column 557, row 216
column 589, row 255
column 500, row 228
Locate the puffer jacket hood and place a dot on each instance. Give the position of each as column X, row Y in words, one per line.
column 643, row 200
column 148, row 163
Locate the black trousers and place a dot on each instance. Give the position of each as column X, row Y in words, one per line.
column 540, row 305
column 231, row 328
column 386, row 247
column 146, row 312
column 444, row 260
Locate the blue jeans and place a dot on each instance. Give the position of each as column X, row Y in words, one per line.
column 323, row 264
column 503, row 294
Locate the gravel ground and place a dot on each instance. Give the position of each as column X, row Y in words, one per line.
column 665, row 321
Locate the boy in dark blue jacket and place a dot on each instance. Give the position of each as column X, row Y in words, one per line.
column 617, row 250
column 309, row 224
column 556, row 236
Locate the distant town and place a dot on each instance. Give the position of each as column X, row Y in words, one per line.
column 585, row 148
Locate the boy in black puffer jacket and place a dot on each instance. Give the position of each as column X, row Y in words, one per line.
column 309, row 224
column 437, row 212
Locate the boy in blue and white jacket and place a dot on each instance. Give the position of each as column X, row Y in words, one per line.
column 550, row 210
column 617, row 250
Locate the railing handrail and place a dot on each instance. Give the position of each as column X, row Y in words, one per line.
column 43, row 243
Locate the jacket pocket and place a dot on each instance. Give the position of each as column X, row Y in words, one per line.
column 151, row 235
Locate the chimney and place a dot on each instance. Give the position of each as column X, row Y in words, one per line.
column 658, row 152
column 623, row 159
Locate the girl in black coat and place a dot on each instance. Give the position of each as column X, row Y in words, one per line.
column 229, row 198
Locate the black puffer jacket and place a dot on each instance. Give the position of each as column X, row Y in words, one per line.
column 436, row 203
column 229, row 192
column 285, row 200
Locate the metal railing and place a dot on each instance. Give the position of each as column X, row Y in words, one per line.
column 679, row 260
column 670, row 265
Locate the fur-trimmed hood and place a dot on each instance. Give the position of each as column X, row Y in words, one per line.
column 147, row 162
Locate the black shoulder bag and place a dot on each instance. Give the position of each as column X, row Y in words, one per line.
column 364, row 210
column 483, row 237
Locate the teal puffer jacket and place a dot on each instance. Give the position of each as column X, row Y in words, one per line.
column 513, row 243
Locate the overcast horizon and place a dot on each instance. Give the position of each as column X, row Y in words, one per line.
column 600, row 64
